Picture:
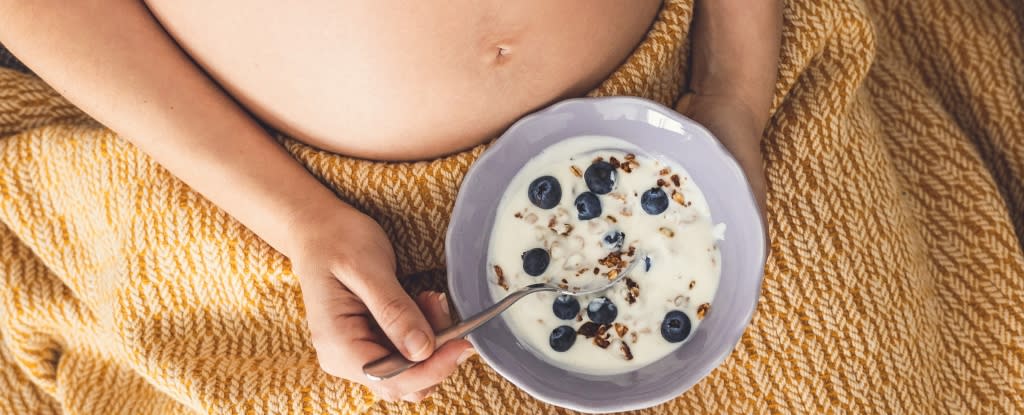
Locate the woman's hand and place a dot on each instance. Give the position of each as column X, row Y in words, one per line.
column 356, row 308
column 734, row 61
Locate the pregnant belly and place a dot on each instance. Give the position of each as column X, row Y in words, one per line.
column 401, row 80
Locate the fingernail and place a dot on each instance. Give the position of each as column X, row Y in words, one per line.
column 416, row 344
column 444, row 303
column 466, row 354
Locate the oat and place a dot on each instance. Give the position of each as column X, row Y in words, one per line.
column 679, row 301
column 620, row 329
column 501, row 277
column 618, row 196
column 567, row 231
column 576, row 171
column 611, row 219
column 692, row 284
column 662, row 183
column 614, row 162
column 675, row 179
column 625, row 351
column 702, row 310
column 633, row 337
column 678, row 197
column 664, row 171
column 531, row 218
column 627, row 212
column 666, row 231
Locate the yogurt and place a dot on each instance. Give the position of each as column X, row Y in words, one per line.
column 577, row 214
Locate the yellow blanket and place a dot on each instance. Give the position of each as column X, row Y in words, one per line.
column 895, row 158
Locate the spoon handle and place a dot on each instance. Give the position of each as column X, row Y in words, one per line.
column 394, row 363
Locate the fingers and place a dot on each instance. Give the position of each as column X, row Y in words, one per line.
column 417, row 383
column 395, row 312
column 435, row 308
column 426, row 374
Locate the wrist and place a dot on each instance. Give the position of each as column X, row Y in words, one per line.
column 316, row 220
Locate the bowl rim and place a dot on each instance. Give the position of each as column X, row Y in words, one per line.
column 747, row 198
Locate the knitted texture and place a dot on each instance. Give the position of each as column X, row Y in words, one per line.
column 895, row 158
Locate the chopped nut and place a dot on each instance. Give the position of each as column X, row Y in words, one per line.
column 601, row 342
column 612, row 274
column 632, row 290
column 588, row 329
column 664, row 171
column 597, row 159
column 675, row 179
column 567, row 231
column 625, row 351
column 628, row 166
column 579, row 316
column 662, row 183
column 552, row 222
column 666, row 231
column 693, row 283
column 501, row 277
column 678, row 197
column 576, row 171
column 633, row 337
column 631, row 251
column 602, row 329
column 621, row 329
column 613, row 161
column 611, row 219
column 630, row 156
column 702, row 310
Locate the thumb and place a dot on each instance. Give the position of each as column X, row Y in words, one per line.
column 395, row 312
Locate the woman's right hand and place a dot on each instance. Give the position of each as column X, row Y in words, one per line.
column 356, row 309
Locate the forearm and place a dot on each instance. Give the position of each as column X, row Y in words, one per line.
column 112, row 59
column 736, row 52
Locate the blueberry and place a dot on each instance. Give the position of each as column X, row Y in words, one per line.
column 588, row 206
column 613, row 240
column 647, row 263
column 562, row 338
column 602, row 311
column 600, row 177
column 676, row 326
column 545, row 192
column 535, row 261
column 566, row 307
column 654, row 201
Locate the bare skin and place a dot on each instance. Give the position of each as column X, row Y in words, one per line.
column 131, row 75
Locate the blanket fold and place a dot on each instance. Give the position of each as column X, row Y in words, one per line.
column 895, row 160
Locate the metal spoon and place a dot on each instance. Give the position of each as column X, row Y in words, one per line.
column 393, row 364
